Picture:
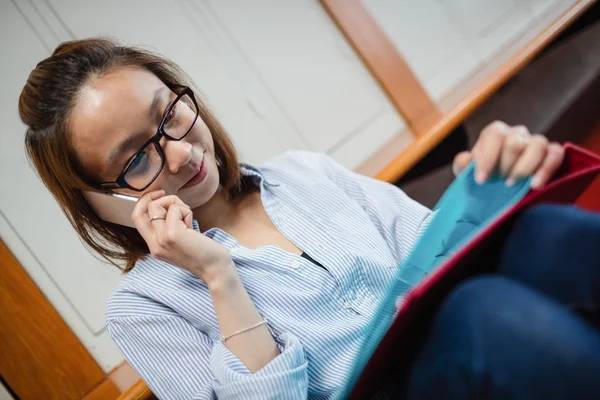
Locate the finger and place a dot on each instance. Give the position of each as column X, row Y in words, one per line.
column 552, row 162
column 488, row 148
column 461, row 161
column 174, row 217
column 187, row 213
column 514, row 144
column 181, row 203
column 155, row 209
column 140, row 213
column 188, row 218
column 177, row 213
column 496, row 126
column 161, row 206
column 167, row 201
column 530, row 160
column 141, row 206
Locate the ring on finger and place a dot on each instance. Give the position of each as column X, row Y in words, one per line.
column 157, row 217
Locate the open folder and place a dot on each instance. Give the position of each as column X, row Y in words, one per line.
column 465, row 237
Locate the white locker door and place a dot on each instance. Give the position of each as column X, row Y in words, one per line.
column 309, row 68
column 430, row 42
column 489, row 25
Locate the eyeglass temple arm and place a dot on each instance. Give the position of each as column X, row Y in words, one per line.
column 110, row 185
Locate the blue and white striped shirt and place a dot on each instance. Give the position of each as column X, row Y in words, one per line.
column 360, row 229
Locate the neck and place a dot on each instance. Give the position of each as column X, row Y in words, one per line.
column 216, row 212
column 222, row 212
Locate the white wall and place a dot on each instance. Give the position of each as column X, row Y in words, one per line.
column 446, row 41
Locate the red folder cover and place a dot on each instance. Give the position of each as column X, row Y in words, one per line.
column 394, row 352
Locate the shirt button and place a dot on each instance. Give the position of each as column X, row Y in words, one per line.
column 296, row 264
column 347, row 305
column 234, row 250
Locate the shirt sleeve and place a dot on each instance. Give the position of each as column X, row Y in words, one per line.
column 400, row 219
column 179, row 362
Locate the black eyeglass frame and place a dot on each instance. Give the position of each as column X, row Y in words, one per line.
column 121, row 183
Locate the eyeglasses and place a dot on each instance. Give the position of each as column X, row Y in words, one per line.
column 146, row 164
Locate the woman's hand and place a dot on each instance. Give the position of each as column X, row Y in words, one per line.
column 514, row 153
column 172, row 239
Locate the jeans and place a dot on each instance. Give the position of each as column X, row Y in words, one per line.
column 528, row 331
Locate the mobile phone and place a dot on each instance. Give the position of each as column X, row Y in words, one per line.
column 112, row 207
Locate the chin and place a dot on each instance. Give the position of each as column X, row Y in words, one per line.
column 198, row 195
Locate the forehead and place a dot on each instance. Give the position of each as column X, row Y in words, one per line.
column 110, row 108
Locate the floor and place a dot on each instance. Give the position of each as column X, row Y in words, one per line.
column 557, row 94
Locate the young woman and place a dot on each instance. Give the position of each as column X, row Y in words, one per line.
column 242, row 281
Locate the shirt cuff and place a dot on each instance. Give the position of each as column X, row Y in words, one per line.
column 284, row 377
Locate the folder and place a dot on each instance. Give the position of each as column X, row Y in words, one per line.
column 391, row 358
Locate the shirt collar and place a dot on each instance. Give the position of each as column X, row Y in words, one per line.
column 257, row 175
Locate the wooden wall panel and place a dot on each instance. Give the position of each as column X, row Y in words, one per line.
column 41, row 357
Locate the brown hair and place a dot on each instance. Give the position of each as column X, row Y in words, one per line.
column 45, row 103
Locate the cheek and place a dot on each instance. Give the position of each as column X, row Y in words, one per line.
column 203, row 134
column 208, row 137
column 200, row 196
column 161, row 183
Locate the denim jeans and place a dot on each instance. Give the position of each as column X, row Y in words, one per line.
column 528, row 331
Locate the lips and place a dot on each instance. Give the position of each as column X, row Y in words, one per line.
column 199, row 176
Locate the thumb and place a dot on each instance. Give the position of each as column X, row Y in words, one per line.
column 461, row 161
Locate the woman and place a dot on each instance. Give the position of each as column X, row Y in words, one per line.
column 271, row 299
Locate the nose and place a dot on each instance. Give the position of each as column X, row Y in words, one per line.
column 177, row 153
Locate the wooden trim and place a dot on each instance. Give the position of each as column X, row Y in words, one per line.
column 385, row 63
column 41, row 357
column 139, row 391
column 426, row 140
column 107, row 390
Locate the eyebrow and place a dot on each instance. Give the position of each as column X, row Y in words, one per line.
column 132, row 140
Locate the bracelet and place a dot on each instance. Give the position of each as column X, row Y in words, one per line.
column 263, row 322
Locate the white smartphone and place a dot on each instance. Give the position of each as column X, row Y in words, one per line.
column 112, row 207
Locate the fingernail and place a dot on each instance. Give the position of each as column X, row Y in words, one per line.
column 455, row 170
column 535, row 182
column 480, row 177
column 511, row 181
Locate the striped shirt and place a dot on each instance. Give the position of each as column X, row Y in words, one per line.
column 359, row 229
